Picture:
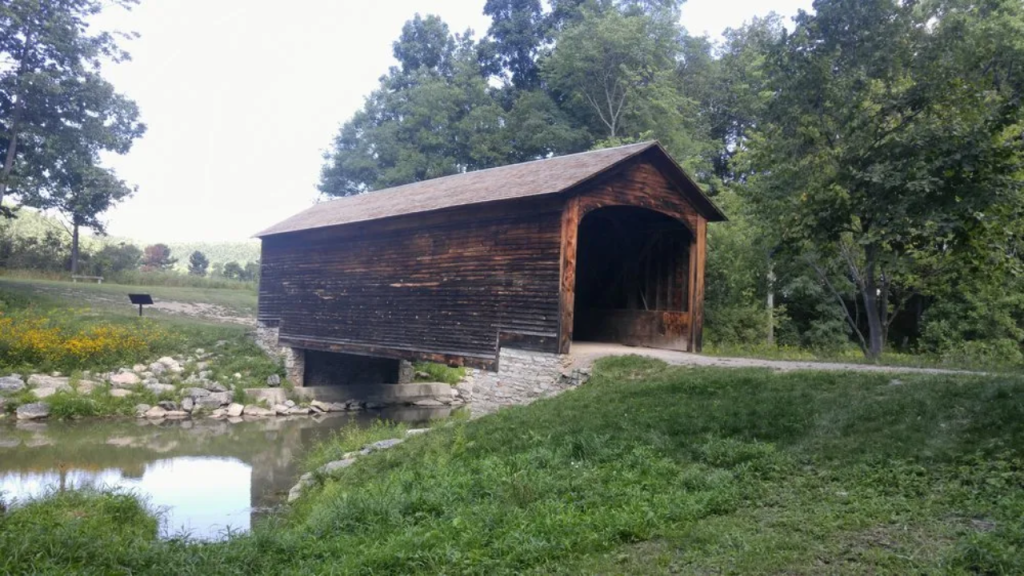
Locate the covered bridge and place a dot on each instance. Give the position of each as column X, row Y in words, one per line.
column 605, row 246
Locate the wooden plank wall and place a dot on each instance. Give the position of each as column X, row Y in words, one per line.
column 441, row 287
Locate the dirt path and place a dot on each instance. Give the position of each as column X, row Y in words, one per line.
column 202, row 310
column 585, row 353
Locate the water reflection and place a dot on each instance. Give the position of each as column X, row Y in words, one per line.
column 205, row 475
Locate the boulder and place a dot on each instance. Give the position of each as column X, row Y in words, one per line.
column 139, row 368
column 203, row 373
column 33, row 411
column 280, row 409
column 337, row 407
column 157, row 368
column 273, row 380
column 167, row 361
column 120, row 393
column 257, row 411
column 382, row 444
column 155, row 412
column 176, row 414
column 86, row 386
column 218, row 413
column 320, row 406
column 125, row 380
column 168, row 404
column 236, row 376
column 353, row 405
column 215, row 387
column 299, row 411
column 336, row 465
column 289, row 403
column 197, row 392
column 465, row 389
column 429, row 402
column 44, row 381
column 160, row 388
column 420, row 375
column 235, row 410
column 41, row 393
column 188, row 404
column 10, row 384
column 141, row 409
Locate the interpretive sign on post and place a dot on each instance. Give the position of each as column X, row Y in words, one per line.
column 141, row 300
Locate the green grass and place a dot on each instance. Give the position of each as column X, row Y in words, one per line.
column 137, row 278
column 853, row 355
column 645, row 470
column 112, row 299
column 439, row 372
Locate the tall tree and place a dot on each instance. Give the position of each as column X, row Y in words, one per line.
column 894, row 136
column 616, row 68
column 432, row 116
column 157, row 257
column 82, row 192
column 198, row 263
column 51, row 92
column 518, row 31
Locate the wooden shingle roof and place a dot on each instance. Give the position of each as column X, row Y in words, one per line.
column 536, row 178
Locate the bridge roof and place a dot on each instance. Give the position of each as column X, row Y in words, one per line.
column 527, row 179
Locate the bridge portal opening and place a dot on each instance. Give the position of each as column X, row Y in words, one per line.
column 632, row 279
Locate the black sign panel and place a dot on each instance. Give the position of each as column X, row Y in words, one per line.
column 140, row 298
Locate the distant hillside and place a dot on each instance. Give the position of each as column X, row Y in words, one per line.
column 216, row 252
column 35, row 224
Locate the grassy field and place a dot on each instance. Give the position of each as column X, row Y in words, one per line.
column 113, row 298
column 645, row 470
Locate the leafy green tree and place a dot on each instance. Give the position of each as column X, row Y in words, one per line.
column 157, row 257
column 616, row 68
column 517, row 34
column 234, row 271
column 198, row 263
column 54, row 104
column 81, row 193
column 432, row 116
column 892, row 138
column 116, row 258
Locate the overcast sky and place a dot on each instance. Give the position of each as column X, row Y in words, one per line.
column 242, row 97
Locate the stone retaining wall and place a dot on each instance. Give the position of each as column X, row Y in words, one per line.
column 522, row 377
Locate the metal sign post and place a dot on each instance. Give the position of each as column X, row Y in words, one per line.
column 141, row 300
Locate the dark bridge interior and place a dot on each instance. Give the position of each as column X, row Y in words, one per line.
column 632, row 278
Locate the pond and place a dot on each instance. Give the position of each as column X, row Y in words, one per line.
column 205, row 476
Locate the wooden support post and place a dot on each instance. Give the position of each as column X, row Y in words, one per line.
column 567, row 286
column 698, row 253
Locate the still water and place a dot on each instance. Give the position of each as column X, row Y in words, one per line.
column 205, row 476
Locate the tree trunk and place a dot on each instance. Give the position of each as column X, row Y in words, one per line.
column 74, row 248
column 771, row 304
column 872, row 311
column 12, row 136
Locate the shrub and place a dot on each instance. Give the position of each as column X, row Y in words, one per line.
column 440, row 372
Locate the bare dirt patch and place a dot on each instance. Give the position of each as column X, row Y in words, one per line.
column 202, row 310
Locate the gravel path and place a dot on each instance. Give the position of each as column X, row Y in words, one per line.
column 585, row 353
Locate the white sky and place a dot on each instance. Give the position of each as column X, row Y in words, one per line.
column 242, row 97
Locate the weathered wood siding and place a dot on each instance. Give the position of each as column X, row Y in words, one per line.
column 442, row 287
